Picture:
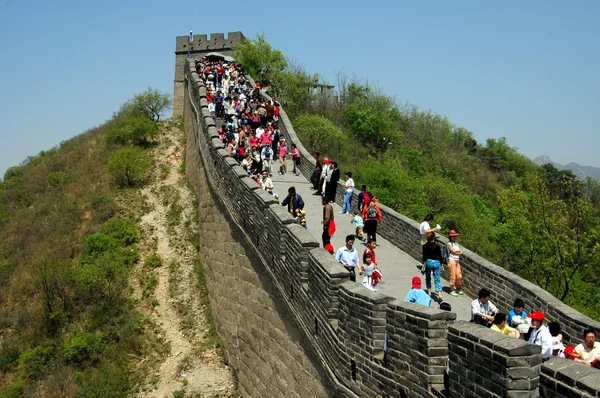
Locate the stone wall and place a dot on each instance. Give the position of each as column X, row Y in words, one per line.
column 562, row 378
column 485, row 363
column 276, row 294
column 477, row 271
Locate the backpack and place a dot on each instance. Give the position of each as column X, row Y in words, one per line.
column 445, row 254
column 372, row 212
column 268, row 153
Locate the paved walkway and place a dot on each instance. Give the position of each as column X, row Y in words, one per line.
column 398, row 268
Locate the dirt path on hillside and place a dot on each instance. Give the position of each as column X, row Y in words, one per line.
column 190, row 368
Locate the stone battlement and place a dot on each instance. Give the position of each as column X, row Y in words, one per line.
column 344, row 327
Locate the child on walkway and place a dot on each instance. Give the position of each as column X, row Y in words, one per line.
column 357, row 220
column 368, row 268
column 301, row 218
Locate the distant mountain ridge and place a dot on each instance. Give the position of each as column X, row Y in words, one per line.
column 580, row 171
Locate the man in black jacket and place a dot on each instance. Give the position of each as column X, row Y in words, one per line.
column 331, row 186
column 293, row 201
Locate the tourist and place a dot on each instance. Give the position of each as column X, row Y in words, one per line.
column 517, row 316
column 331, row 182
column 589, row 350
column 296, row 160
column 348, row 190
column 482, row 309
column 540, row 335
column 432, row 257
column 266, row 183
column 372, row 216
column 454, row 252
column 499, row 324
column 316, row 175
column 358, row 222
column 282, row 156
column 301, row 218
column 416, row 293
column 424, row 228
column 293, row 201
column 370, row 250
column 328, row 219
column 348, row 256
column 267, row 156
column 368, row 268
column 364, row 198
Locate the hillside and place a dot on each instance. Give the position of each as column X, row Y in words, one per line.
column 104, row 295
column 582, row 172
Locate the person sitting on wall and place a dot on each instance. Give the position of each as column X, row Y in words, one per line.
column 517, row 315
column 589, row 350
column 417, row 294
column 540, row 335
column 482, row 309
column 500, row 325
column 348, row 256
column 293, row 201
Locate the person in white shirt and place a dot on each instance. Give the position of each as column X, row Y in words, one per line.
column 589, row 350
column 348, row 257
column 482, row 309
column 348, row 194
column 425, row 227
column 540, row 335
column 266, row 183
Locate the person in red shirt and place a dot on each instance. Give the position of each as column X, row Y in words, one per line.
column 371, row 213
column 370, row 250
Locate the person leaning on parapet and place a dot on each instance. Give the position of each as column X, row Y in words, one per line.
column 499, row 325
column 293, row 201
column 323, row 178
column 416, row 294
column 589, row 350
column 540, row 335
column 316, row 175
column 348, row 256
column 482, row 309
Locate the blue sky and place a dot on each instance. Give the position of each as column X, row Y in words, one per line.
column 526, row 70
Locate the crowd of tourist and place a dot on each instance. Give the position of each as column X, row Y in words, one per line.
column 250, row 133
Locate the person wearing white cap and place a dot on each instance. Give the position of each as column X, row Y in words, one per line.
column 541, row 335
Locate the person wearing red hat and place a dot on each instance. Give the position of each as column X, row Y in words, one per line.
column 454, row 252
column 417, row 294
column 540, row 335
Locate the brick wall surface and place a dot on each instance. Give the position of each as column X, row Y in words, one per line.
column 292, row 323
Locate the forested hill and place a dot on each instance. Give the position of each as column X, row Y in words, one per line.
column 536, row 221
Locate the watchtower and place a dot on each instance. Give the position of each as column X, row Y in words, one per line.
column 195, row 46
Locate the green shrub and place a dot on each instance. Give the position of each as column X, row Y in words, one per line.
column 83, row 348
column 12, row 172
column 129, row 166
column 154, row 261
column 57, row 178
column 35, row 362
column 9, row 355
column 98, row 243
column 107, row 380
column 15, row 390
column 137, row 130
column 103, row 206
column 123, row 230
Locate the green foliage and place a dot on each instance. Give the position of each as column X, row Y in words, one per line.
column 103, row 206
column 123, row 230
column 259, row 59
column 151, row 104
column 98, row 243
column 154, row 261
column 15, row 390
column 57, row 178
column 132, row 129
column 129, row 166
column 550, row 241
column 106, row 380
column 9, row 355
column 13, row 172
column 35, row 362
column 319, row 134
column 292, row 87
column 83, row 348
